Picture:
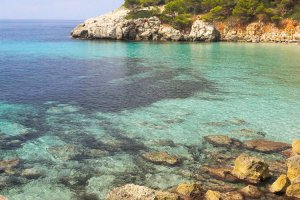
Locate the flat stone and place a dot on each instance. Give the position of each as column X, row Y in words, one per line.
column 251, row 191
column 266, row 146
column 162, row 158
column 296, row 147
column 294, row 189
column 293, row 165
column 280, row 185
column 250, row 169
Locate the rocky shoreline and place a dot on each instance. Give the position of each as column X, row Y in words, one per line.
column 230, row 176
column 115, row 26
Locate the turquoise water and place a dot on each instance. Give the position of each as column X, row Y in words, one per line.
column 81, row 112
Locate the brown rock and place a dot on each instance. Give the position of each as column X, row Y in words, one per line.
column 251, row 169
column 222, row 173
column 293, row 164
column 3, row 198
column 280, row 185
column 161, row 158
column 288, row 153
column 296, row 147
column 266, row 146
column 251, row 192
column 191, row 190
column 294, row 189
column 221, row 140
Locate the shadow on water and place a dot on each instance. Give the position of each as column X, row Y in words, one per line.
column 106, row 85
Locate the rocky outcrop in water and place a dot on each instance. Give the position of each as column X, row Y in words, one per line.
column 115, row 26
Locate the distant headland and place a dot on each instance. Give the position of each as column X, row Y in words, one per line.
column 188, row 20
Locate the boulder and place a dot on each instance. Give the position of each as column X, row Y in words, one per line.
column 280, row 185
column 212, row 195
column 251, row 191
column 266, row 146
column 288, row 153
column 203, row 31
column 296, row 147
column 250, row 169
column 221, row 140
column 191, row 190
column 162, row 158
column 131, row 192
column 215, row 195
column 293, row 165
column 294, row 189
column 136, row 192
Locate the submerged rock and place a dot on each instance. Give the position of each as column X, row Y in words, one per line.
column 8, row 165
column 280, row 185
column 251, row 192
column 221, row 140
column 251, row 169
column 161, row 158
column 222, row 173
column 266, row 146
column 31, row 173
column 296, row 147
column 191, row 190
column 293, row 165
column 294, row 189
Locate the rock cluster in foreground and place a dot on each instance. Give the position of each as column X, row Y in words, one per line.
column 250, row 177
column 115, row 26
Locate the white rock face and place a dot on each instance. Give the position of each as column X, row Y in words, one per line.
column 203, row 31
column 115, row 26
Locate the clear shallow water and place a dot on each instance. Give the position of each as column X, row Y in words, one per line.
column 81, row 112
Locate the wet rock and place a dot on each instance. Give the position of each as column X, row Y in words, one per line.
column 296, row 147
column 288, row 153
column 280, row 185
column 3, row 198
column 31, row 173
column 266, row 146
column 293, row 165
column 191, row 190
column 222, row 173
column 294, row 189
column 131, row 192
column 277, row 167
column 162, row 158
column 8, row 165
column 169, row 143
column 66, row 152
column 250, row 169
column 221, row 140
column 251, row 192
column 249, row 133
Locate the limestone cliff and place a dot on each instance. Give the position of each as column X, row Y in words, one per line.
column 116, row 26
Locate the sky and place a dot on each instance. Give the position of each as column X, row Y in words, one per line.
column 56, row 9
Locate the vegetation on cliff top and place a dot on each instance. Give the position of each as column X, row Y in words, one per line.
column 180, row 13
